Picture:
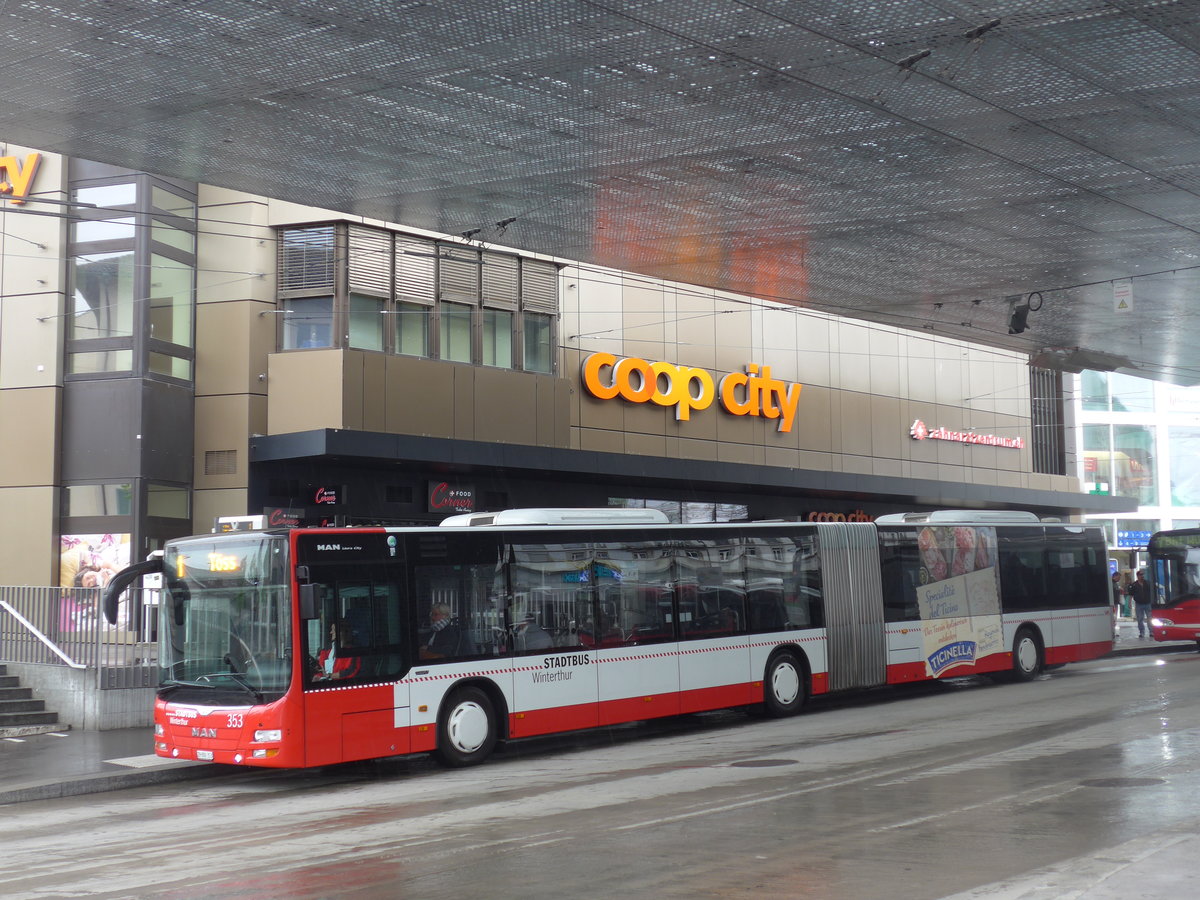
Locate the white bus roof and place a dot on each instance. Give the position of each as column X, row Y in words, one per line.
column 601, row 516
column 959, row 516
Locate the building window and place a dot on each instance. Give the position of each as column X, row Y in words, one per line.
column 455, row 328
column 166, row 501
column 1184, row 453
column 97, row 499
column 339, row 283
column 308, row 322
column 102, row 296
column 1113, row 392
column 1119, row 460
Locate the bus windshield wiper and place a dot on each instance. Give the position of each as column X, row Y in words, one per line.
column 205, row 682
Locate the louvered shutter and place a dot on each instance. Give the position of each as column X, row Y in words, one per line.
column 500, row 281
column 458, row 274
column 416, row 270
column 370, row 252
column 539, row 286
column 306, row 261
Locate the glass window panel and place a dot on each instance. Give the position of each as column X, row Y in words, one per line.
column 1184, row 452
column 1134, row 463
column 105, row 230
column 710, row 582
column 172, row 366
column 172, row 287
column 1094, row 390
column 173, row 237
column 167, row 501
column 172, row 203
column 1131, row 394
column 538, row 356
column 308, row 322
column 412, row 329
column 366, row 322
column 100, row 361
column 103, row 296
column 455, row 327
column 97, row 500
column 497, row 338
column 108, row 195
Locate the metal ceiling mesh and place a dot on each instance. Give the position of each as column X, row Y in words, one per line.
column 912, row 162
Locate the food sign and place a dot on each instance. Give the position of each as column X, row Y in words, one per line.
column 959, row 597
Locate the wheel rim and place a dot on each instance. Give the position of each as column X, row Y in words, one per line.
column 1027, row 654
column 785, row 683
column 467, row 726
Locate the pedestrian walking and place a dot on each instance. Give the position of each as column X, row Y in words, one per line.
column 1139, row 591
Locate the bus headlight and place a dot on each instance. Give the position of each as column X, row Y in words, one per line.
column 158, row 729
column 267, row 735
column 1160, row 622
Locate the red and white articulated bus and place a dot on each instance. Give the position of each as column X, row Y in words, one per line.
column 1175, row 578
column 496, row 627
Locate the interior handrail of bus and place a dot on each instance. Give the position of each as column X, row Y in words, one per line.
column 954, row 516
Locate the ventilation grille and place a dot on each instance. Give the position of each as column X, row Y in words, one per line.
column 220, row 462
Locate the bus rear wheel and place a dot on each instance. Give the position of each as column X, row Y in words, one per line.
column 1026, row 655
column 783, row 686
column 467, row 728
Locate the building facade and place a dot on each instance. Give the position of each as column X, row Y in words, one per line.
column 172, row 353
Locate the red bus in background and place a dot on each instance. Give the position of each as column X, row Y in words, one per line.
column 1175, row 578
column 307, row 647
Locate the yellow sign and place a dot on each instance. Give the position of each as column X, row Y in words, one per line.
column 15, row 178
column 750, row 393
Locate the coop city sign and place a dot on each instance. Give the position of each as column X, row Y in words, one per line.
column 750, row 393
column 16, row 177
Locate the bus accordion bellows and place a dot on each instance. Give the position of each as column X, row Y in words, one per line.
column 1175, row 585
column 313, row 646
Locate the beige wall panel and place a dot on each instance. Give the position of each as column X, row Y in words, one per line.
column 232, row 345
column 29, row 437
column 568, row 304
column 981, row 386
column 374, row 395
column 420, row 396
column 808, row 459
column 35, row 268
column 238, row 242
column 600, row 313
column 984, row 476
column 31, row 336
column 222, row 423
column 815, row 368
column 652, row 351
column 733, row 429
column 703, row 425
column 281, row 212
column 696, row 328
column 782, row 457
column 1010, row 479
column 854, row 337
column 888, row 377
column 28, row 555
column 814, row 419
column 601, row 441
column 506, row 407
column 922, row 379
column 951, row 382
column 926, row 471
column 745, row 454
column 888, row 430
column 646, row 418
column 953, row 473
column 689, row 449
column 852, row 418
column 735, row 338
column 852, row 372
column 353, row 386
column 304, row 388
column 857, row 465
column 778, row 344
column 207, row 505
column 646, row 306
column 553, row 399
column 888, row 468
column 464, row 403
column 812, row 333
column 646, row 444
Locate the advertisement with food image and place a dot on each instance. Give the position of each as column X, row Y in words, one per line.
column 959, row 597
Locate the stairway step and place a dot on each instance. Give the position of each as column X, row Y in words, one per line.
column 9, row 681
column 15, row 693
column 22, row 706
column 28, row 718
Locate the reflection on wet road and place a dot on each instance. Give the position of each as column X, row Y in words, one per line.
column 915, row 793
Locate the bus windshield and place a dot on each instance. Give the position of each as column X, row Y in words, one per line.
column 1176, row 559
column 225, row 624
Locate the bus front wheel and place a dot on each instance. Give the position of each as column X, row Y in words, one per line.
column 467, row 728
column 783, row 687
column 1026, row 655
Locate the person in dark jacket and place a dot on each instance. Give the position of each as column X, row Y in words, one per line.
column 1142, row 597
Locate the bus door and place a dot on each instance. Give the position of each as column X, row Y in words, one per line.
column 855, row 638
column 554, row 635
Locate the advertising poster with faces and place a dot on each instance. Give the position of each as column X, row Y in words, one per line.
column 959, row 597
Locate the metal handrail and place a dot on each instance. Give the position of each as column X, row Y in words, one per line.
column 32, row 629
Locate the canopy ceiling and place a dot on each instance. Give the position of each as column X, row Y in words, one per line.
column 915, row 162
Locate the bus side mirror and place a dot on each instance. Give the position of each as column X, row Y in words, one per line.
column 310, row 596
